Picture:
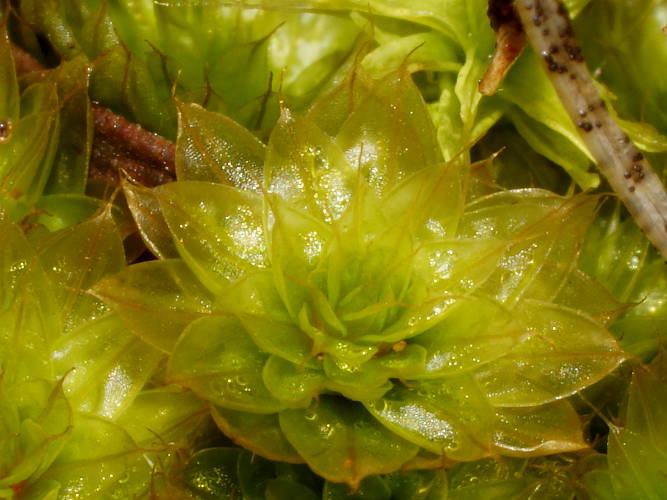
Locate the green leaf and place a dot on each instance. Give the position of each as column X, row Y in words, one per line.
column 76, row 258
column 217, row 359
column 147, row 213
column 448, row 417
column 293, row 385
column 543, row 235
column 25, row 160
column 474, row 331
column 390, row 134
column 100, row 460
column 157, row 300
column 35, row 423
column 564, row 352
column 636, row 453
column 28, row 311
column 260, row 434
column 104, row 364
column 211, row 147
column 164, row 418
column 217, row 229
column 70, row 165
column 211, row 473
column 9, row 88
column 255, row 301
column 307, row 169
column 341, row 442
column 542, row 430
column 58, row 211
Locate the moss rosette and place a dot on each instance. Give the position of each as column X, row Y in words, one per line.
column 339, row 300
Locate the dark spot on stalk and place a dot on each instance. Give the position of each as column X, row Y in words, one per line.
column 546, row 32
column 638, row 157
column 598, row 124
column 5, row 130
column 553, row 49
column 585, row 125
column 631, row 189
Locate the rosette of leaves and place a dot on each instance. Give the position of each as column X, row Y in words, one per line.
column 338, row 301
column 78, row 417
column 229, row 59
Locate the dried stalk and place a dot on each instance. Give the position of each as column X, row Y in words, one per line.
column 549, row 31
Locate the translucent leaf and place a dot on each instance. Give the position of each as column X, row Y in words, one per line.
column 9, row 88
column 76, row 258
column 58, row 211
column 70, row 166
column 447, row 417
column 502, row 479
column 217, row 229
column 258, row 306
column 28, row 311
column 298, row 244
column 156, row 299
column 637, row 450
column 564, row 352
column 293, row 385
column 99, row 460
column 104, row 364
column 147, row 213
column 217, row 359
column 25, row 160
column 341, row 442
column 307, row 169
column 213, row 148
column 260, row 434
column 164, row 417
column 473, row 332
column 581, row 291
column 36, row 419
column 430, row 201
column 389, row 135
column 371, row 380
column 543, row 235
column 543, row 430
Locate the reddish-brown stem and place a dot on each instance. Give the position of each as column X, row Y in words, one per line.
column 119, row 145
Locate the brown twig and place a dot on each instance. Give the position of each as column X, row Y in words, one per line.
column 510, row 41
column 119, row 145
